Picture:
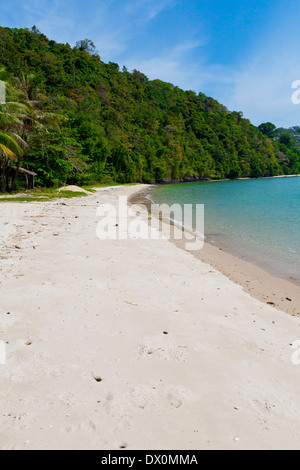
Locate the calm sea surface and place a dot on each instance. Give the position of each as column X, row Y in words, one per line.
column 257, row 219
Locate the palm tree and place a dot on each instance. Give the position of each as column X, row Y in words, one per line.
column 13, row 115
column 18, row 120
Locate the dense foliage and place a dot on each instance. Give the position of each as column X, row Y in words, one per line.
column 120, row 126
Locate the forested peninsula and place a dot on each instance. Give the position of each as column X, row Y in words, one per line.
column 71, row 118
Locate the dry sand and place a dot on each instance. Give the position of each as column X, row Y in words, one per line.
column 134, row 343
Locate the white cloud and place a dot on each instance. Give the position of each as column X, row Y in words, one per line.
column 50, row 15
column 262, row 85
column 114, row 24
column 174, row 66
column 262, row 88
column 147, row 10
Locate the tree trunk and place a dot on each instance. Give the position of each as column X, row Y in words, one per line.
column 2, row 182
column 14, row 180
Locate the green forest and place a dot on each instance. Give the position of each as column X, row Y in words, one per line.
column 71, row 118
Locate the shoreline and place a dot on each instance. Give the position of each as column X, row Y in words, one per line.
column 264, row 285
column 211, row 180
column 133, row 344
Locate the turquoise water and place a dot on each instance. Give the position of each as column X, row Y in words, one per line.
column 258, row 219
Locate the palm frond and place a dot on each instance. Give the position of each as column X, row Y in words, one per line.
column 19, row 109
column 51, row 121
column 10, row 143
column 21, row 142
column 14, row 94
column 8, row 120
column 6, row 152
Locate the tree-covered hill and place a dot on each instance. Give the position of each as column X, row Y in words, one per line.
column 86, row 121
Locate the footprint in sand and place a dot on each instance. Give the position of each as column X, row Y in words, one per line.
column 89, row 427
column 154, row 348
column 175, row 402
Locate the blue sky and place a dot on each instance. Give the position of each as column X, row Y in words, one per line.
column 243, row 53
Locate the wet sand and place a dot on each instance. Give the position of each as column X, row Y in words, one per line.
column 280, row 293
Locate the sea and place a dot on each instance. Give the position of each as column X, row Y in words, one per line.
column 255, row 219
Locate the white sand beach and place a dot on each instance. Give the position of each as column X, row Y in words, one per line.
column 134, row 344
